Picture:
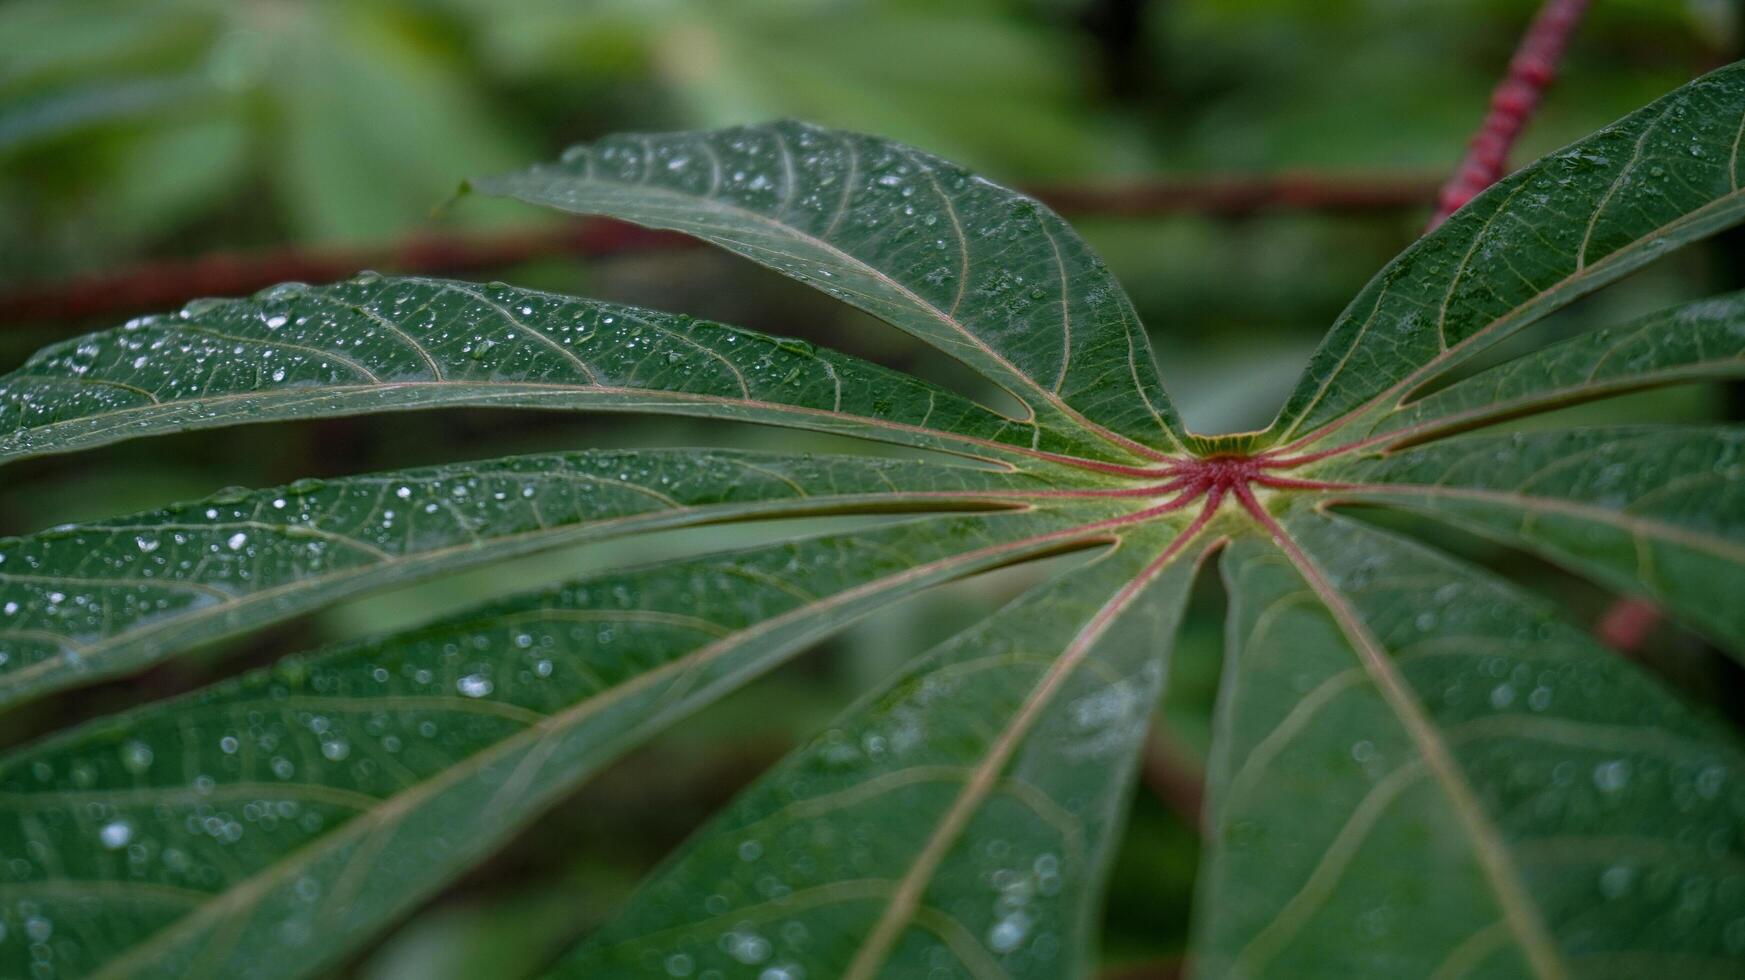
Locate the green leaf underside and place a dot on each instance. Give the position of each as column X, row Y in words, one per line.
column 87, row 601
column 984, row 273
column 1654, row 510
column 1421, row 772
column 260, row 827
column 956, row 823
column 377, row 344
column 1552, row 232
column 1701, row 341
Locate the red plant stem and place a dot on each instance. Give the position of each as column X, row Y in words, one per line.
column 1392, row 439
column 1530, row 73
column 1172, row 776
column 1275, row 459
column 170, row 283
column 1626, row 625
column 1165, row 969
column 1149, row 490
column 1243, row 195
column 1100, row 466
column 1246, row 497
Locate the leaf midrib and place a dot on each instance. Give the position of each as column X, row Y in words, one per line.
column 315, row 392
column 1636, row 526
column 1546, row 400
column 235, row 602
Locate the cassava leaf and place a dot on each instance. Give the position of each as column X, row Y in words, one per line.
column 986, row 274
column 378, row 344
column 1418, row 770
column 1421, row 772
column 264, row 826
column 958, row 822
column 1539, row 239
column 92, row 600
column 1655, row 510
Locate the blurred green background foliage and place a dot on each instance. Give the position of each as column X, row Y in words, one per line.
column 136, row 130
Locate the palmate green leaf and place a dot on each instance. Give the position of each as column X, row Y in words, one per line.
column 92, row 600
column 986, row 274
column 378, row 344
column 1421, row 772
column 1654, row 510
column 1550, row 233
column 957, row 823
column 264, row 826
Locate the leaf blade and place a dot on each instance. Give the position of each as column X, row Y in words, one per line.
column 1004, row 285
column 391, row 344
column 1701, row 341
column 88, row 601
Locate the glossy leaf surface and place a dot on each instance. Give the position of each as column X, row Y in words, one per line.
column 1702, row 341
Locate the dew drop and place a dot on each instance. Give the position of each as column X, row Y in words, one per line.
column 116, row 835
column 1008, row 932
column 1612, row 776
column 136, row 756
